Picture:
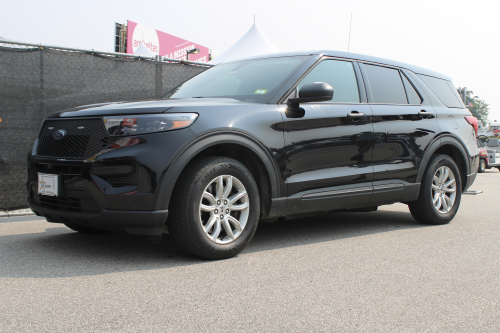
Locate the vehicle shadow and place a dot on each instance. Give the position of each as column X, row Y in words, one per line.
column 60, row 252
column 328, row 227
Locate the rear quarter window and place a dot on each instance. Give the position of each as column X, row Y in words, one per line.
column 413, row 96
column 444, row 90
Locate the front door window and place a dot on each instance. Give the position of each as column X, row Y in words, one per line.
column 340, row 75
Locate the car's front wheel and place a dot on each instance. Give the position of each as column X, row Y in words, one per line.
column 215, row 208
column 482, row 166
column 440, row 192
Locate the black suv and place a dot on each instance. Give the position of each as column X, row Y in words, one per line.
column 258, row 139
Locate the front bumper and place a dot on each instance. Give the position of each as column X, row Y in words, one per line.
column 119, row 202
column 149, row 223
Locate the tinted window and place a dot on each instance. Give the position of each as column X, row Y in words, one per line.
column 386, row 85
column 252, row 80
column 340, row 75
column 413, row 97
column 443, row 91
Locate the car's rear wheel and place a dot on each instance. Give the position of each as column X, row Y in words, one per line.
column 85, row 230
column 440, row 192
column 482, row 166
column 215, row 208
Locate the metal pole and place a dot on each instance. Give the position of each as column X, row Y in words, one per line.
column 349, row 43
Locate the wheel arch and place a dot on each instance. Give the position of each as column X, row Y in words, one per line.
column 452, row 146
column 213, row 142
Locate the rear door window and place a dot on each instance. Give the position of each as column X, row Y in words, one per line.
column 340, row 75
column 386, row 85
column 443, row 90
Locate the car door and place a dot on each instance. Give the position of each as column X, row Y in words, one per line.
column 404, row 123
column 328, row 151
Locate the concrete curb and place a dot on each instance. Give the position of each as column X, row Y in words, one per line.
column 17, row 212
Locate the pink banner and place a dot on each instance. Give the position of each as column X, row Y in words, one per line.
column 161, row 43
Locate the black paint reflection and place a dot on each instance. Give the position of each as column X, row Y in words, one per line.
column 314, row 124
column 324, row 152
column 399, row 145
column 399, row 117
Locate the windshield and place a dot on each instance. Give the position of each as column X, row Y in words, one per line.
column 249, row 81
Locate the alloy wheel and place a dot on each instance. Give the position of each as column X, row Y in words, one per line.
column 224, row 209
column 444, row 189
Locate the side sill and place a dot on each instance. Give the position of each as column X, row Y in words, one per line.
column 398, row 192
column 382, row 193
column 327, row 194
column 278, row 207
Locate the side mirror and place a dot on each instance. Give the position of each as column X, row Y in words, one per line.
column 311, row 92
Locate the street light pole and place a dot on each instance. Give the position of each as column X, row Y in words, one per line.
column 193, row 51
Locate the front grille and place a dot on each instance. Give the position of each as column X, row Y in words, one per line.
column 74, row 201
column 57, row 168
column 67, row 204
column 85, row 142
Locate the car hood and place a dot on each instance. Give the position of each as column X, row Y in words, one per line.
column 146, row 107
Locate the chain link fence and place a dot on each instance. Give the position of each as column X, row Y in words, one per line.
column 38, row 80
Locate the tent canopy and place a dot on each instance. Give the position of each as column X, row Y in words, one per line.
column 251, row 44
column 144, row 51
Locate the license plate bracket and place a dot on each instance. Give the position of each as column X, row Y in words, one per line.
column 48, row 184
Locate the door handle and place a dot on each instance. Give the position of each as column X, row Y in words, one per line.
column 424, row 113
column 355, row 114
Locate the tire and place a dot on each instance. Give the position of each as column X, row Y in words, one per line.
column 200, row 214
column 423, row 209
column 85, row 230
column 482, row 166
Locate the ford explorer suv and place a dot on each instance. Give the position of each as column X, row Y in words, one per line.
column 258, row 139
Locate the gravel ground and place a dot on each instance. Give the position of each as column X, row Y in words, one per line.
column 349, row 272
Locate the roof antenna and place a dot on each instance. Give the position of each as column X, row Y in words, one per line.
column 350, row 26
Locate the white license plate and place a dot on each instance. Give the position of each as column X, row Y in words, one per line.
column 48, row 184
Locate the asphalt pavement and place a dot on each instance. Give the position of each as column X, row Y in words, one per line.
column 341, row 272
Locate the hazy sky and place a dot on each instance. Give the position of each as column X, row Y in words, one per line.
column 458, row 38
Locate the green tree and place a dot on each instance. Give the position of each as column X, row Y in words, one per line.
column 479, row 109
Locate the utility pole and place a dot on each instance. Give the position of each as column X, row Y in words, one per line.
column 350, row 27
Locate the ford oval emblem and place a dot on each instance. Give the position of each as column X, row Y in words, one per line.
column 59, row 134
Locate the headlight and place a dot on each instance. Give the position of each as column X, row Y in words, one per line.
column 149, row 123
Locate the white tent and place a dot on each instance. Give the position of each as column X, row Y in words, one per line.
column 251, row 44
column 144, row 51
